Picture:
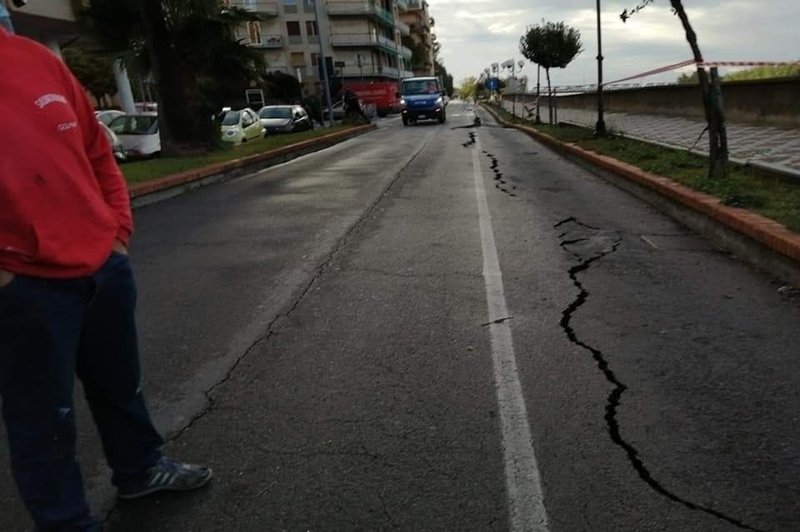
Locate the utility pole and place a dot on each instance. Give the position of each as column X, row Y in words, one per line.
column 325, row 83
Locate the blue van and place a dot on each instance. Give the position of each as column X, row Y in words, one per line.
column 422, row 98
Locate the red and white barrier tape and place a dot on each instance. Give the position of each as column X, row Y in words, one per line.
column 652, row 72
column 704, row 64
column 709, row 64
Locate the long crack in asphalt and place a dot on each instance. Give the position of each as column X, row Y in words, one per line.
column 588, row 245
column 269, row 332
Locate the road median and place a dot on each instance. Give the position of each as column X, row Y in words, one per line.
column 172, row 185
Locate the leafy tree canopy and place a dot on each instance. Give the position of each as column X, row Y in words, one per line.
column 91, row 68
column 447, row 79
column 551, row 44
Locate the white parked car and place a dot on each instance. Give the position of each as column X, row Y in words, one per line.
column 138, row 135
column 113, row 140
column 107, row 115
column 240, row 126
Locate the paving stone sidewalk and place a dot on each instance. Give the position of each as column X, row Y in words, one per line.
column 769, row 147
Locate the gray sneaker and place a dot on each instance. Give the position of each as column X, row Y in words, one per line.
column 167, row 475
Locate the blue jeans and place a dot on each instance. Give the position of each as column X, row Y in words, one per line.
column 51, row 331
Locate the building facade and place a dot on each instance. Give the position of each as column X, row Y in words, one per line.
column 364, row 38
column 421, row 39
column 52, row 22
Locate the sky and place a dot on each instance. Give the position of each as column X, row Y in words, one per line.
column 476, row 33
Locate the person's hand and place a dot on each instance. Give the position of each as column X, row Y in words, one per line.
column 5, row 277
column 120, row 248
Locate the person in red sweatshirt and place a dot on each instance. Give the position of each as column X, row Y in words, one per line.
column 67, row 297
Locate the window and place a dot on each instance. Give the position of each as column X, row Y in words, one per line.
column 293, row 27
column 254, row 32
column 311, row 27
column 247, row 120
column 314, row 59
column 298, row 59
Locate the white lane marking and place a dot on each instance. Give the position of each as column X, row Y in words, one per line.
column 523, row 483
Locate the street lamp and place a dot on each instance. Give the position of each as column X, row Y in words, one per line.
column 513, row 66
column 600, row 127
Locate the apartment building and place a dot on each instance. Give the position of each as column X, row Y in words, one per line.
column 363, row 37
column 52, row 22
column 418, row 19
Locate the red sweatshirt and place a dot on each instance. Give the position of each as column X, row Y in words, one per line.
column 63, row 200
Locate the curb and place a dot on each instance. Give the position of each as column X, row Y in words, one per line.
column 189, row 180
column 761, row 241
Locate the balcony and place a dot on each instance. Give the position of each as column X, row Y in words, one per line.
column 406, row 52
column 362, row 8
column 269, row 42
column 403, row 28
column 362, row 40
column 402, row 5
column 262, row 7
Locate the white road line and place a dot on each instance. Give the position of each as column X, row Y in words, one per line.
column 525, row 498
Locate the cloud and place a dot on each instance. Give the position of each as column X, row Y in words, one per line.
column 477, row 33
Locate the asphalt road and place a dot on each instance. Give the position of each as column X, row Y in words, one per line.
column 451, row 328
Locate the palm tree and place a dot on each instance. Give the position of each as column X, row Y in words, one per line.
column 550, row 45
column 192, row 51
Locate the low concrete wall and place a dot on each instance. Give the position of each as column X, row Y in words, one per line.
column 765, row 102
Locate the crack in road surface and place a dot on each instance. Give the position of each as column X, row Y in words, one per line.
column 501, row 183
column 321, row 269
column 594, row 245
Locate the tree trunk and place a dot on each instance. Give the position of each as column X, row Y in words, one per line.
column 181, row 129
column 718, row 158
column 549, row 97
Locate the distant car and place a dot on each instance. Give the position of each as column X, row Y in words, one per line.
column 338, row 109
column 106, row 116
column 113, row 140
column 240, row 126
column 138, row 135
column 284, row 118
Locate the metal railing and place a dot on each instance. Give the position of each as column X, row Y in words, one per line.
column 263, row 7
column 269, row 41
column 362, row 39
column 360, row 7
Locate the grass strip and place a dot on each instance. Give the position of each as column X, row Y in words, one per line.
column 749, row 188
column 141, row 171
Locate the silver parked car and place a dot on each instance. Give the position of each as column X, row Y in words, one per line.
column 284, row 118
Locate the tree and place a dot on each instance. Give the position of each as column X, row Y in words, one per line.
column 91, row 68
column 550, row 45
column 765, row 72
column 447, row 79
column 418, row 54
column 468, row 89
column 688, row 79
column 191, row 48
column 712, row 100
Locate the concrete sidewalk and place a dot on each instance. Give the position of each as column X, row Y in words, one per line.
column 766, row 147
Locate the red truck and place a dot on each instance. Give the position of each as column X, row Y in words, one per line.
column 381, row 94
